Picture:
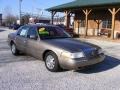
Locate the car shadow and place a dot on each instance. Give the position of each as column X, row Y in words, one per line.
column 9, row 58
column 2, row 30
column 15, row 59
column 107, row 64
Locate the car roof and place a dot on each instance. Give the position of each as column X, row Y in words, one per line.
column 38, row 25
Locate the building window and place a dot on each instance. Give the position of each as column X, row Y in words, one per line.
column 82, row 23
column 106, row 24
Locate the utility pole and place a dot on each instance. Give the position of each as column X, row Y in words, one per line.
column 20, row 2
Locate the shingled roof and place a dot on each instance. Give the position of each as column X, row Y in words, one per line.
column 84, row 3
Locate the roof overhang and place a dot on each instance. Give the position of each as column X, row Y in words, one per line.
column 81, row 4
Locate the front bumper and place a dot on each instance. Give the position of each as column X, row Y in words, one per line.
column 78, row 63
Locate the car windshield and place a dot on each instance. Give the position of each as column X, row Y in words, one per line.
column 52, row 33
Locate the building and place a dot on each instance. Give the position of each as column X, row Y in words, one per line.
column 0, row 19
column 92, row 17
column 58, row 20
column 39, row 20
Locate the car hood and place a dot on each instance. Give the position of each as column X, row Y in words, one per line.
column 71, row 45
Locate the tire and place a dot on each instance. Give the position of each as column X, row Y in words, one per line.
column 51, row 62
column 14, row 50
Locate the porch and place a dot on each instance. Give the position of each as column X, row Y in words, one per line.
column 101, row 18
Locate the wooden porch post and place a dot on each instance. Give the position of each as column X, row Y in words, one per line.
column 86, row 12
column 98, row 25
column 113, row 11
column 78, row 23
column 52, row 15
column 67, row 18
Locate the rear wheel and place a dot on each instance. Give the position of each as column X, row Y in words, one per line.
column 14, row 50
column 51, row 62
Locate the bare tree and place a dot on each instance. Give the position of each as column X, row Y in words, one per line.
column 25, row 18
column 9, row 17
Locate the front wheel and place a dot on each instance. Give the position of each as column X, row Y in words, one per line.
column 14, row 49
column 51, row 62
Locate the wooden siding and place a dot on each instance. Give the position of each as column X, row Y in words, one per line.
column 97, row 15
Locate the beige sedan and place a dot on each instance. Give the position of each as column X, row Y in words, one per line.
column 55, row 47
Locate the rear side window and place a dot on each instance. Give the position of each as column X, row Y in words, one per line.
column 32, row 31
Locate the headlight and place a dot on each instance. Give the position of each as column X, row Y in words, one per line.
column 73, row 55
column 100, row 51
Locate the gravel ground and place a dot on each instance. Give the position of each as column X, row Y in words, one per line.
column 27, row 73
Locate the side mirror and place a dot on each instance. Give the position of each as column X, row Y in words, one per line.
column 33, row 37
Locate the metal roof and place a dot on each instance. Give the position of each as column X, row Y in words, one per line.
column 84, row 3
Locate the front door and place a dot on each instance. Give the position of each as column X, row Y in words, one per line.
column 33, row 45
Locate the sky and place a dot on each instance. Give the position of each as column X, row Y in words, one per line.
column 30, row 6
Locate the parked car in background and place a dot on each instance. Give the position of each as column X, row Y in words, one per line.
column 55, row 47
column 14, row 26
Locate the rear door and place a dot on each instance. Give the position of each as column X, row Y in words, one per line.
column 21, row 38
